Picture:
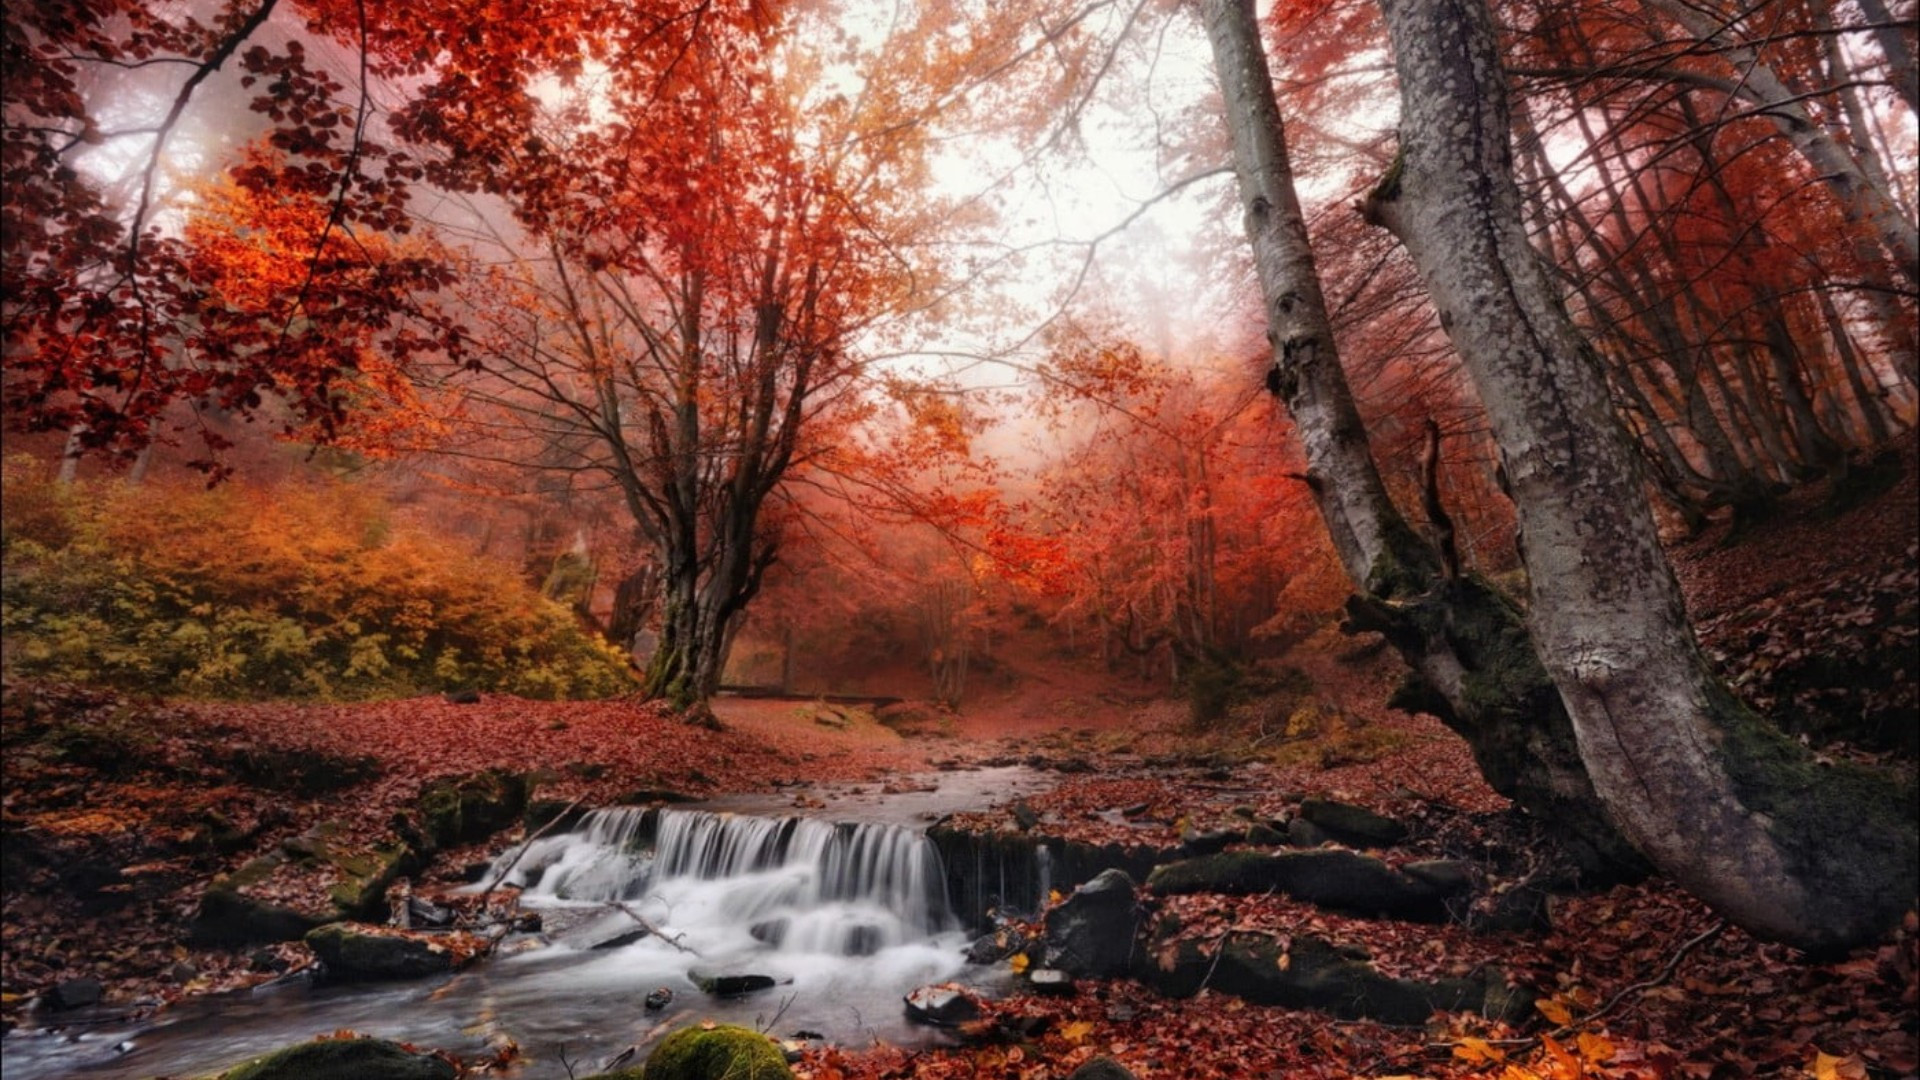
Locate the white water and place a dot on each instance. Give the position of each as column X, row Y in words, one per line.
column 859, row 912
column 786, row 894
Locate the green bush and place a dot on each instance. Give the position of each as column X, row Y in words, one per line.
column 307, row 592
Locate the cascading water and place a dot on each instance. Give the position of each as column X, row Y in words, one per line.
column 797, row 885
column 845, row 918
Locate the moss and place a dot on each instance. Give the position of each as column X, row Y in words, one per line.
column 343, row 1059
column 470, row 808
column 1228, row 871
column 1862, row 886
column 363, row 893
column 1388, row 189
column 725, row 1052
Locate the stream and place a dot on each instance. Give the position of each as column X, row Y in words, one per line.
column 844, row 908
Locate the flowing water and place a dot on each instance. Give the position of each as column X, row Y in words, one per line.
column 846, row 913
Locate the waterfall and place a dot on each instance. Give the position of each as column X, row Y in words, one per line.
column 797, row 885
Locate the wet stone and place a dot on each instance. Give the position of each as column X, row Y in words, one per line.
column 942, row 1006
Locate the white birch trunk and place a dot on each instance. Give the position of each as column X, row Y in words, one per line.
column 1728, row 809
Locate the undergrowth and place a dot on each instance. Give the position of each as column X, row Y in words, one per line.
column 296, row 592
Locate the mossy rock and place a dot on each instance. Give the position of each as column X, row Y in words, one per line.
column 230, row 919
column 466, row 809
column 362, row 954
column 362, row 891
column 343, row 1059
column 702, row 1053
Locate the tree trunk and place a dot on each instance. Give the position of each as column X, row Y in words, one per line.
column 1860, row 199
column 1473, row 664
column 1726, row 806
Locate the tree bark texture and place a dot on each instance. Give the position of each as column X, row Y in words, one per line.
column 1474, row 665
column 1727, row 807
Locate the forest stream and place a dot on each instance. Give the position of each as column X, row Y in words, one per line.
column 845, row 911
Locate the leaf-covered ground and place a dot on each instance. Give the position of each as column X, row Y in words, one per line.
column 117, row 813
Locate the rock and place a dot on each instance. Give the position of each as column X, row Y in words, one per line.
column 1090, row 934
column 1025, row 816
column 74, row 993
column 863, row 939
column 1264, row 835
column 696, row 1053
column 658, row 999
column 344, row 1059
column 1449, row 877
column 1101, row 1068
column 463, row 810
column 995, row 947
column 180, row 973
column 354, row 953
column 1351, row 824
column 1512, row 908
column 620, row 941
column 426, row 913
column 1206, row 842
column 229, row 919
column 942, row 1006
column 554, row 815
column 1051, row 981
column 265, row 960
column 641, row 796
column 915, row 720
column 463, row 697
column 361, row 892
column 1307, row 972
column 1329, row 877
column 1302, row 833
column 729, row 984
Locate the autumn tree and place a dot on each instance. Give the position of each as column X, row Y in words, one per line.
column 700, row 243
column 1723, row 804
column 1468, row 645
column 108, row 319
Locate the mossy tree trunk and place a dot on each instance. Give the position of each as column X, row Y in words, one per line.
column 1822, row 858
column 1474, row 663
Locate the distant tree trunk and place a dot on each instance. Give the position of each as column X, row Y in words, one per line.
column 1726, row 806
column 1473, row 664
column 1862, row 201
column 634, row 601
column 70, row 458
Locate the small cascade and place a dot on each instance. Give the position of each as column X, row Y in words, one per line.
column 793, row 884
column 604, row 858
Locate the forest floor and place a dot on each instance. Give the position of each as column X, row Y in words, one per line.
column 117, row 814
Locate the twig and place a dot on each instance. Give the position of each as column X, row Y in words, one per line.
column 1220, row 948
column 1666, row 972
column 654, row 930
column 524, row 845
column 782, row 1011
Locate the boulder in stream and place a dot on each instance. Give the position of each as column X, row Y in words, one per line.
column 703, row 1053
column 944, row 1005
column 1090, row 934
column 74, row 993
column 729, row 984
column 357, row 953
column 343, row 1059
